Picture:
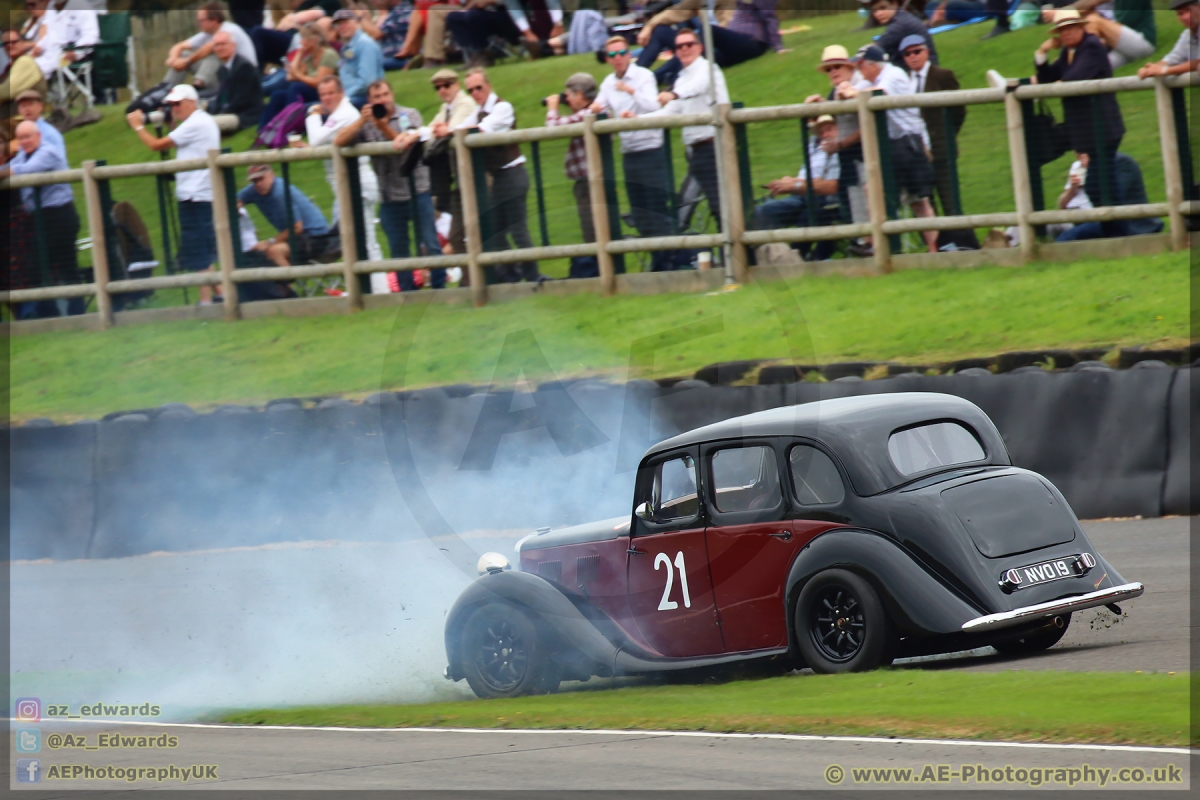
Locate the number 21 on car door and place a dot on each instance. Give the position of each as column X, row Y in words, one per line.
column 670, row 590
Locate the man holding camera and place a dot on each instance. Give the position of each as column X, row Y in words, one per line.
column 579, row 94
column 403, row 180
column 194, row 135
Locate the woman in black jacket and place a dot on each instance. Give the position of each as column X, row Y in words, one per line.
column 1093, row 122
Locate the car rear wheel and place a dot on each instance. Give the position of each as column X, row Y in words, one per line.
column 841, row 625
column 1037, row 640
column 504, row 654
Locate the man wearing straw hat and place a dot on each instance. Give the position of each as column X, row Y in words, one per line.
column 847, row 146
column 796, row 195
column 1083, row 57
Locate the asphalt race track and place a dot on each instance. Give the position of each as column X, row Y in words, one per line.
column 288, row 758
column 1154, row 635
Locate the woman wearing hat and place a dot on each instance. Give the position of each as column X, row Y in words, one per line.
column 1083, row 57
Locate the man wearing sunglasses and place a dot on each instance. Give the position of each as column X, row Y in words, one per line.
column 634, row 89
column 194, row 135
column 457, row 106
column 928, row 77
column 693, row 93
column 507, row 178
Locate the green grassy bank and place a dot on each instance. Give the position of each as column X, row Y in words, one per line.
column 916, row 317
column 1042, row 706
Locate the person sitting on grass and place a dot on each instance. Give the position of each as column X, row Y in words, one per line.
column 1185, row 55
column 310, row 236
column 794, row 195
column 313, row 62
column 239, row 99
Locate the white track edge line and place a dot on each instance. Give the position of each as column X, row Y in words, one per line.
column 793, row 737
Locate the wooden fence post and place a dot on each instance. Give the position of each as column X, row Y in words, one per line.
column 346, row 227
column 95, row 215
column 1172, row 170
column 731, row 186
column 470, row 209
column 595, row 179
column 876, row 201
column 1019, row 161
column 225, row 252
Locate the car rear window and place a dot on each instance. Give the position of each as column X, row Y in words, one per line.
column 926, row 447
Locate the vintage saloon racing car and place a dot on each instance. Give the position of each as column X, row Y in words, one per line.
column 838, row 535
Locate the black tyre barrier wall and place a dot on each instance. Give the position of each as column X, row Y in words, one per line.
column 1116, row 443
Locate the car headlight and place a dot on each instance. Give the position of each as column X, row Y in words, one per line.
column 492, row 562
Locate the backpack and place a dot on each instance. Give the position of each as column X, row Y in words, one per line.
column 274, row 135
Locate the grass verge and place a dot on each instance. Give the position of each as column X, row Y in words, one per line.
column 1041, row 706
column 916, row 316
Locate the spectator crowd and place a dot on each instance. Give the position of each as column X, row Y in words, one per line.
column 309, row 73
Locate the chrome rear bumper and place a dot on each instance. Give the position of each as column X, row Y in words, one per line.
column 1065, row 605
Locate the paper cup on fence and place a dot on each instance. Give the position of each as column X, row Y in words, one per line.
column 704, row 260
column 294, row 138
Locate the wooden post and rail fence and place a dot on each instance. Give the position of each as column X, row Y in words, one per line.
column 733, row 236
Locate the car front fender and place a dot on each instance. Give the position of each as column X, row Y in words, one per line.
column 916, row 601
column 549, row 607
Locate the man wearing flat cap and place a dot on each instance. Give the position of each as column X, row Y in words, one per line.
column 928, row 77
column 457, row 107
column 1185, row 55
column 1083, row 57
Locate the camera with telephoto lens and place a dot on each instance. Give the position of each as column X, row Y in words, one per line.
column 159, row 116
column 379, row 111
column 562, row 98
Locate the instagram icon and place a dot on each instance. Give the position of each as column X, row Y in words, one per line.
column 29, row 709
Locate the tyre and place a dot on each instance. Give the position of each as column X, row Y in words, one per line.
column 841, row 625
column 505, row 655
column 1035, row 641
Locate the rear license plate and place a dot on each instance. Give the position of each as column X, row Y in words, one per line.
column 1046, row 571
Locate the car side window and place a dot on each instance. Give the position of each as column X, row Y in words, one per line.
column 674, row 495
column 815, row 479
column 745, row 479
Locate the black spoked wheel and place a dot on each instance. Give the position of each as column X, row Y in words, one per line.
column 837, row 625
column 841, row 625
column 504, row 655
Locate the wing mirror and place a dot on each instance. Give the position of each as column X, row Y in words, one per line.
column 643, row 512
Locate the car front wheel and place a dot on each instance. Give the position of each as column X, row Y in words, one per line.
column 503, row 654
column 841, row 625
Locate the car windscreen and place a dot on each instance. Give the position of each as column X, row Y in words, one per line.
column 938, row 444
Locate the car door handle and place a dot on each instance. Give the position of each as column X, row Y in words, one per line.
column 784, row 535
column 633, row 551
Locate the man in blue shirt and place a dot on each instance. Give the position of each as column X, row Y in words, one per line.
column 362, row 60
column 312, row 239
column 57, row 223
column 30, row 107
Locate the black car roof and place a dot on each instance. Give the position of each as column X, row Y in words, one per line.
column 856, row 429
